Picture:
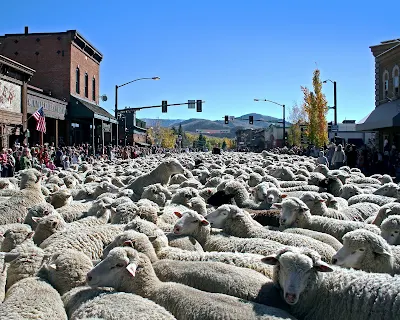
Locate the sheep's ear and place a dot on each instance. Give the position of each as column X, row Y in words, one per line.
column 30, row 235
column 152, row 238
column 131, row 268
column 321, row 266
column 277, row 205
column 238, row 213
column 129, row 243
column 52, row 266
column 271, row 260
column 321, row 200
column 36, row 219
column 204, row 222
column 283, row 195
column 9, row 257
column 54, row 224
column 178, row 214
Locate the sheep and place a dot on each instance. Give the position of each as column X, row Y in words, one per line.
column 177, row 179
column 295, row 213
column 60, row 198
column 16, row 208
column 364, row 180
column 389, row 190
column 74, row 211
column 219, row 198
column 156, row 193
column 66, row 270
column 89, row 240
column 195, row 225
column 302, row 188
column 337, row 203
column 320, row 236
column 238, row 223
column 349, row 190
column 198, row 204
column 364, row 250
column 390, row 229
column 136, row 274
column 184, row 195
column 112, row 305
column 32, row 298
column 385, row 211
column 220, row 278
column 372, row 198
column 15, row 236
column 39, row 210
column 314, row 290
column 160, row 175
column 317, row 206
column 332, row 185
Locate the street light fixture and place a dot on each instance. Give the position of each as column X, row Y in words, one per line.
column 334, row 100
column 116, row 99
column 283, row 118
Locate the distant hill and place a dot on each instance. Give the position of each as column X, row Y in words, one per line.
column 191, row 125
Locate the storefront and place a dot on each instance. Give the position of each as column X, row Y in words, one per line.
column 13, row 101
column 54, row 111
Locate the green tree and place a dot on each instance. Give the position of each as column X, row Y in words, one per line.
column 174, row 131
column 180, row 130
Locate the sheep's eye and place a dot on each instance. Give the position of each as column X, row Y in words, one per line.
column 361, row 249
column 395, row 232
column 195, row 221
column 120, row 265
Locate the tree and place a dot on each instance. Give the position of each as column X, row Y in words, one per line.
column 224, row 145
column 168, row 138
column 180, row 130
column 316, row 108
column 296, row 117
column 174, row 130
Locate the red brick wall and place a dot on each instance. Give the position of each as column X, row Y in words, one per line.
column 86, row 64
column 52, row 64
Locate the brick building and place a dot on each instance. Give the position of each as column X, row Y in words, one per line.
column 385, row 118
column 68, row 68
column 14, row 78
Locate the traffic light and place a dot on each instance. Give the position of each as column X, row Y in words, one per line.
column 286, row 135
column 251, row 119
column 226, row 119
column 199, row 105
column 164, row 106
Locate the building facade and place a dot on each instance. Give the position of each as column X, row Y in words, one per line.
column 14, row 78
column 385, row 118
column 68, row 68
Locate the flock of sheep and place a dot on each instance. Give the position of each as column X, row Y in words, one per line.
column 200, row 236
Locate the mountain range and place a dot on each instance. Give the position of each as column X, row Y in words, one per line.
column 191, row 125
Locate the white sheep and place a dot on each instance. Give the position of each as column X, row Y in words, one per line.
column 295, row 213
column 385, row 211
column 129, row 271
column 314, row 290
column 364, row 250
column 238, row 223
column 372, row 198
column 390, row 229
column 320, row 236
column 157, row 193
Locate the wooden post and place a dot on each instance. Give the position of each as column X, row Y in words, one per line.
column 56, row 133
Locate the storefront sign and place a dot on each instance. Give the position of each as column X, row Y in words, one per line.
column 52, row 109
column 106, row 127
column 10, row 97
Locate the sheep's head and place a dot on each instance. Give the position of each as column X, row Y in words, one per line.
column 16, row 236
column 311, row 200
column 350, row 190
column 60, row 198
column 121, row 263
column 156, row 193
column 218, row 217
column 174, row 166
column 292, row 209
column 189, row 222
column 295, row 271
column 389, row 190
column 390, row 229
column 30, row 178
column 359, row 246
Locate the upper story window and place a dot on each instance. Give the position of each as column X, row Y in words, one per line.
column 396, row 75
column 94, row 89
column 86, row 85
column 77, row 80
column 385, row 84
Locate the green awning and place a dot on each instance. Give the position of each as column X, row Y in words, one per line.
column 79, row 108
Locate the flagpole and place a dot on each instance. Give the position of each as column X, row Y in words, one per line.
column 41, row 138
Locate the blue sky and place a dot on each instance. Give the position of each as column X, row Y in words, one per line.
column 224, row 52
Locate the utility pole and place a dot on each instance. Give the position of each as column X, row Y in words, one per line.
column 116, row 112
column 335, row 103
column 284, row 126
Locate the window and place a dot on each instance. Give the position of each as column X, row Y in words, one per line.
column 86, row 85
column 94, row 89
column 77, row 80
column 395, row 75
column 385, row 84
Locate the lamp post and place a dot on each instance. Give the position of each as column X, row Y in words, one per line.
column 283, row 117
column 334, row 101
column 116, row 99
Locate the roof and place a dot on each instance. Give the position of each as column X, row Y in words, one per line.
column 383, row 43
column 16, row 65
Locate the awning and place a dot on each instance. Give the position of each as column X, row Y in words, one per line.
column 79, row 108
column 383, row 116
column 142, row 144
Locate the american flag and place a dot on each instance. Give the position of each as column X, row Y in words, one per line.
column 40, row 120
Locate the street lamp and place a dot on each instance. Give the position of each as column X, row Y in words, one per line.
column 334, row 101
column 116, row 99
column 283, row 118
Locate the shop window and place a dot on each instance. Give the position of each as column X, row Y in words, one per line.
column 86, row 85
column 395, row 75
column 77, row 80
column 94, row 89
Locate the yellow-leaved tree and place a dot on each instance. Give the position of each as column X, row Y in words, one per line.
column 168, row 139
column 315, row 107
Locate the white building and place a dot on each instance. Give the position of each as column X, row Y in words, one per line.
column 347, row 131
